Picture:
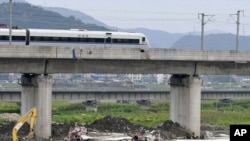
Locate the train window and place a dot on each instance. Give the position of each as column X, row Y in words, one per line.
column 137, row 41
column 99, row 40
column 31, row 38
column 14, row 38
column 92, row 40
column 126, row 41
column 143, row 39
column 18, row 38
column 4, row 37
column 108, row 40
column 117, row 40
column 55, row 38
column 73, row 39
column 82, row 39
column 64, row 39
column 46, row 39
column 39, row 38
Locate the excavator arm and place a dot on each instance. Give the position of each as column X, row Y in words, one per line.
column 30, row 115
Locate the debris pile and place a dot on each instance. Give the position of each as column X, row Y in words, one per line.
column 76, row 133
column 113, row 124
column 146, row 135
column 10, row 116
column 167, row 130
column 171, row 130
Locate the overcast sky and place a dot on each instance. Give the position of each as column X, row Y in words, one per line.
column 169, row 15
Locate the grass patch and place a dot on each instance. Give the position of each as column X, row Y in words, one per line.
column 75, row 112
column 9, row 107
column 212, row 111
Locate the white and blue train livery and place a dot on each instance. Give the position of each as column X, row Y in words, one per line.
column 74, row 37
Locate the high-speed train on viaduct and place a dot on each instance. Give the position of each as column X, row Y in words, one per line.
column 73, row 37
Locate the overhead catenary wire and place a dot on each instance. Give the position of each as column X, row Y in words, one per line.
column 150, row 17
column 148, row 13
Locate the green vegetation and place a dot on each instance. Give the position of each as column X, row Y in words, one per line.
column 10, row 85
column 226, row 113
column 9, row 107
column 213, row 111
column 75, row 112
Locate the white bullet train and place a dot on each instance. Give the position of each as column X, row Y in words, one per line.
column 73, row 37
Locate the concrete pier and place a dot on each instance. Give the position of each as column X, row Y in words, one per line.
column 185, row 101
column 44, row 106
column 37, row 92
column 28, row 82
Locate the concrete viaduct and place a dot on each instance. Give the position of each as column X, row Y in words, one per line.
column 186, row 66
column 81, row 95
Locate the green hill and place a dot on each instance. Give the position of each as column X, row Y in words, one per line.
column 29, row 16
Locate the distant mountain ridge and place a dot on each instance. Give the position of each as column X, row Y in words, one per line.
column 77, row 14
column 26, row 15
column 29, row 16
column 20, row 1
column 159, row 39
column 213, row 42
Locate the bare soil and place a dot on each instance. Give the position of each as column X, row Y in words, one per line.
column 168, row 129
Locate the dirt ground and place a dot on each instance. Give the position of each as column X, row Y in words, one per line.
column 168, row 129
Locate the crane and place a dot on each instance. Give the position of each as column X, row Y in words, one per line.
column 29, row 115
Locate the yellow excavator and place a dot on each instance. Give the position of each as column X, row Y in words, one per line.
column 30, row 115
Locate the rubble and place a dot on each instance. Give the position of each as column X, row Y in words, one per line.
column 108, row 124
column 82, row 133
column 10, row 116
column 114, row 124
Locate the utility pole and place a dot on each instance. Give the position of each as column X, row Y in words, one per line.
column 202, row 30
column 238, row 29
column 10, row 22
column 203, row 22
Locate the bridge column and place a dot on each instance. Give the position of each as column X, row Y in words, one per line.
column 37, row 92
column 185, row 101
column 43, row 102
column 28, row 82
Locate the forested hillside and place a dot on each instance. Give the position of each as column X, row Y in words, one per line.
column 30, row 16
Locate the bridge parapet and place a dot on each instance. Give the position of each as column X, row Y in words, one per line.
column 92, row 52
column 90, row 59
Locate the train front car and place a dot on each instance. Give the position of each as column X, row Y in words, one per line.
column 129, row 39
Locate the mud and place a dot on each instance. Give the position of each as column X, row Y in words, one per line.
column 168, row 129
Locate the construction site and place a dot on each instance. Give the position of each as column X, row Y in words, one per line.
column 107, row 128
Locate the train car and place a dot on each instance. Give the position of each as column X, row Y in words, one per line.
column 74, row 37
column 18, row 36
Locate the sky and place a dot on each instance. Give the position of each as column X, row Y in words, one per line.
column 174, row 16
